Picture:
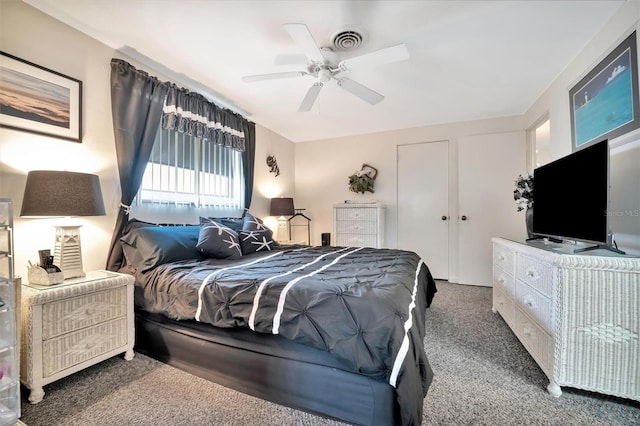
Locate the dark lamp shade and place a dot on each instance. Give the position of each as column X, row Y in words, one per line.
column 281, row 207
column 58, row 193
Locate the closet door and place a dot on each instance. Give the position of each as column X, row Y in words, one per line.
column 488, row 166
column 423, row 203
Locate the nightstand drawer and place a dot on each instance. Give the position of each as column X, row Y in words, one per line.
column 71, row 349
column 75, row 313
column 356, row 240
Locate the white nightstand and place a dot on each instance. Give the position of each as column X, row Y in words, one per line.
column 73, row 325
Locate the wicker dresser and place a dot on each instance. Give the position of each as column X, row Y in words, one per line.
column 73, row 325
column 577, row 315
column 358, row 225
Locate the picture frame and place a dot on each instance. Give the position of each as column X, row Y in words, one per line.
column 39, row 100
column 605, row 103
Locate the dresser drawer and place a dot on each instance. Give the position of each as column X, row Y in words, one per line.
column 357, row 213
column 535, row 339
column 67, row 315
column 503, row 257
column 535, row 304
column 355, row 240
column 505, row 305
column 535, row 273
column 504, row 281
column 74, row 348
column 356, row 227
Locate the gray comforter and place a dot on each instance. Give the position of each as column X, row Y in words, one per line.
column 365, row 306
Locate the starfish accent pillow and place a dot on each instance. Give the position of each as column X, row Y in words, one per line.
column 218, row 241
column 254, row 241
column 252, row 223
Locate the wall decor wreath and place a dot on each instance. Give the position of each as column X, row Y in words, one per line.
column 362, row 180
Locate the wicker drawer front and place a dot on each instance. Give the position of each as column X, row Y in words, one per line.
column 357, row 213
column 355, row 227
column 504, row 305
column 536, row 305
column 504, row 281
column 71, row 349
column 503, row 258
column 72, row 314
column 535, row 273
column 535, row 339
column 354, row 240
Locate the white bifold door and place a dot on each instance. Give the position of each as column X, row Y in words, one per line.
column 488, row 166
column 423, row 203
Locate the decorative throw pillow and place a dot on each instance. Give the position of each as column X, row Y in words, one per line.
column 217, row 240
column 253, row 241
column 234, row 223
column 146, row 247
column 252, row 223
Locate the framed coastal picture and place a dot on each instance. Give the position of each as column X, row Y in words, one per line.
column 604, row 104
column 38, row 100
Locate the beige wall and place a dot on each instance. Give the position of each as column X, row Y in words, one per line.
column 56, row 46
column 625, row 153
column 323, row 167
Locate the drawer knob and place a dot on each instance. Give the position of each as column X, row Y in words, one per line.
column 528, row 302
column 501, row 257
column 501, row 280
column 89, row 312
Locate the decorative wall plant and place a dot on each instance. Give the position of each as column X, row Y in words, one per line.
column 362, row 180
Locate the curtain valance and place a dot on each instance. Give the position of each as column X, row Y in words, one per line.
column 191, row 113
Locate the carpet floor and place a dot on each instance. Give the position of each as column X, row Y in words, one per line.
column 483, row 376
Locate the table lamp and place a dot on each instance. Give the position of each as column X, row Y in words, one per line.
column 51, row 193
column 281, row 207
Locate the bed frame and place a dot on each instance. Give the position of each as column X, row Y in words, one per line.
column 268, row 367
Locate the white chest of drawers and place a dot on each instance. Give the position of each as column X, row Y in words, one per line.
column 74, row 325
column 577, row 315
column 358, row 225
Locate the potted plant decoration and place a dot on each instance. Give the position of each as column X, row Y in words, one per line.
column 523, row 195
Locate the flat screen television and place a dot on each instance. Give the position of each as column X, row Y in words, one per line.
column 571, row 196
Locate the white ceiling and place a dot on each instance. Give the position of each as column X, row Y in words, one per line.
column 468, row 59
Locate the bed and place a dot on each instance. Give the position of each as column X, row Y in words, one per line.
column 336, row 331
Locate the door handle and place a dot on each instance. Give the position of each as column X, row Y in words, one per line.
column 463, row 217
column 444, row 217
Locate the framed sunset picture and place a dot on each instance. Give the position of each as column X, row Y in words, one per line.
column 38, row 100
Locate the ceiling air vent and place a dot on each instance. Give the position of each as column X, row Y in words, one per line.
column 347, row 39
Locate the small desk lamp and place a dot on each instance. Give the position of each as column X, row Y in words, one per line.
column 58, row 193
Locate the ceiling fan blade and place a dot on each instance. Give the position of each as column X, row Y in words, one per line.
column 310, row 97
column 363, row 92
column 290, row 59
column 273, row 76
column 302, row 36
column 387, row 55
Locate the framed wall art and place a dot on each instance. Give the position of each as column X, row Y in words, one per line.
column 38, row 100
column 604, row 104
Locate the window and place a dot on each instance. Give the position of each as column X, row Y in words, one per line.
column 186, row 170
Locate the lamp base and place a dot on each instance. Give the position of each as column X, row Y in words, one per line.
column 67, row 253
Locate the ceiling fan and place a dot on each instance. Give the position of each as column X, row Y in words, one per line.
column 324, row 65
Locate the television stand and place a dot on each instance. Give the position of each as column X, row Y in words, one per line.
column 539, row 237
column 600, row 246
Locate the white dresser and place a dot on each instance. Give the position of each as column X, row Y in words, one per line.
column 577, row 315
column 73, row 325
column 358, row 225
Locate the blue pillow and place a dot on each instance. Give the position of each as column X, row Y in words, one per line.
column 149, row 246
column 254, row 241
column 217, row 240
